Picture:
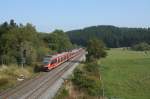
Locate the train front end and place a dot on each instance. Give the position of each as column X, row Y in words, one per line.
column 46, row 63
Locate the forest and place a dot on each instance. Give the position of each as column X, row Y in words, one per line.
column 111, row 35
column 23, row 44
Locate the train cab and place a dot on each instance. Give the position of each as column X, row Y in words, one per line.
column 46, row 63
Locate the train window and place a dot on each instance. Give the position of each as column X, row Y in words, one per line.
column 65, row 57
column 45, row 62
column 59, row 59
column 54, row 61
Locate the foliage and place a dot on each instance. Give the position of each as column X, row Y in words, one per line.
column 88, row 77
column 63, row 94
column 92, row 68
column 59, row 41
column 141, row 47
column 20, row 41
column 95, row 50
column 3, row 81
column 87, row 82
column 112, row 36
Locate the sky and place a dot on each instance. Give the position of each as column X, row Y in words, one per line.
column 48, row 15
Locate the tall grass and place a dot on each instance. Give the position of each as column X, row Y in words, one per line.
column 9, row 75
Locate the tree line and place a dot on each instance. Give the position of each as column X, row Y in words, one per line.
column 111, row 35
column 23, row 43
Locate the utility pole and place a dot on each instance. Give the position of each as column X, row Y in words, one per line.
column 102, row 84
column 2, row 60
column 23, row 55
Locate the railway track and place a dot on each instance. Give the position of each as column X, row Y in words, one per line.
column 34, row 88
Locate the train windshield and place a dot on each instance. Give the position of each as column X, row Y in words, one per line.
column 46, row 60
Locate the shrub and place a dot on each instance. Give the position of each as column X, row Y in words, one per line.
column 95, row 88
column 14, row 72
column 86, row 82
column 62, row 94
column 92, row 68
column 141, row 47
column 96, row 49
column 78, row 78
column 3, row 81
column 65, row 92
column 37, row 68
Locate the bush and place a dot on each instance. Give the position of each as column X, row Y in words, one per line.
column 92, row 68
column 62, row 94
column 78, row 78
column 141, row 47
column 37, row 68
column 95, row 88
column 3, row 81
column 96, row 49
column 86, row 82
column 65, row 92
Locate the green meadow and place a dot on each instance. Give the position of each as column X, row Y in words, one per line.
column 126, row 74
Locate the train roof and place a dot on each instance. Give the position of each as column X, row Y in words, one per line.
column 60, row 54
column 55, row 56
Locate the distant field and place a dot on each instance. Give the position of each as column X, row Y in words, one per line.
column 126, row 74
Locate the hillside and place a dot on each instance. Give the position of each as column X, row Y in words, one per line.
column 111, row 35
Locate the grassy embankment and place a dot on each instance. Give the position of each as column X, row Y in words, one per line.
column 126, row 74
column 9, row 75
column 83, row 84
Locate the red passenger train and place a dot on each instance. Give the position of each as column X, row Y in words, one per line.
column 53, row 61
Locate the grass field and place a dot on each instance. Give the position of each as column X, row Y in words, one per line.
column 126, row 74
